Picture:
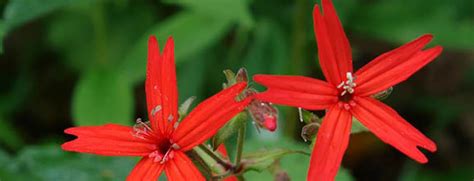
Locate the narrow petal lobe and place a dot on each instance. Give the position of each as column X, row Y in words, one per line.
column 331, row 143
column 182, row 168
column 298, row 91
column 146, row 170
column 391, row 128
column 161, row 87
column 334, row 51
column 395, row 66
column 209, row 116
column 108, row 140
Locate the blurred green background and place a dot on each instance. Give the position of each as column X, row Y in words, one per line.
column 82, row 62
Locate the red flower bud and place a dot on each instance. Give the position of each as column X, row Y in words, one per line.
column 264, row 114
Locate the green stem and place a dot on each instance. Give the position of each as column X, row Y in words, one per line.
column 240, row 145
column 215, row 157
column 205, row 168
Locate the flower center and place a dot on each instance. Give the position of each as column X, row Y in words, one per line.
column 346, row 89
column 164, row 149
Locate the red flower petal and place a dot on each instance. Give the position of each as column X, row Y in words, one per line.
column 109, row 140
column 161, row 87
column 331, row 143
column 335, row 56
column 209, row 116
column 395, row 66
column 182, row 168
column 297, row 91
column 391, row 128
column 146, row 170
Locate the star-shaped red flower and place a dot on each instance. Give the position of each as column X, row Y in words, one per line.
column 347, row 94
column 162, row 143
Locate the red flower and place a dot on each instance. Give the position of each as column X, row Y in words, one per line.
column 161, row 144
column 345, row 96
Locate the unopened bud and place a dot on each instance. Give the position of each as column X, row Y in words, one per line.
column 309, row 131
column 282, row 176
column 241, row 75
column 264, row 114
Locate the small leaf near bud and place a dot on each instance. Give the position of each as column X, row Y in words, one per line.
column 184, row 107
column 242, row 75
column 230, row 76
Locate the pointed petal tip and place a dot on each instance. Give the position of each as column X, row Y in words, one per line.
column 438, row 49
column 170, row 41
column 316, row 12
column 427, row 36
column 66, row 146
column 422, row 159
column 152, row 41
column 69, row 130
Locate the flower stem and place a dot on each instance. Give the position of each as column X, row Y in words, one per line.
column 205, row 168
column 215, row 157
column 240, row 145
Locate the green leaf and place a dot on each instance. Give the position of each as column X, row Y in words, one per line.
column 229, row 129
column 191, row 36
column 295, row 164
column 8, row 135
column 263, row 159
column 223, row 9
column 269, row 50
column 18, row 12
column 448, row 21
column 102, row 97
column 51, row 163
column 2, row 34
column 357, row 127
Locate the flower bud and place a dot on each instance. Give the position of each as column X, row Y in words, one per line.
column 264, row 114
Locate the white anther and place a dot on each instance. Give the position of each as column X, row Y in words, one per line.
column 300, row 113
column 165, row 157
column 175, row 146
column 170, row 118
column 176, row 124
column 347, row 85
column 141, row 129
column 155, row 110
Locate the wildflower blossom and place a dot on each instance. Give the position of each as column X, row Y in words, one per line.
column 346, row 94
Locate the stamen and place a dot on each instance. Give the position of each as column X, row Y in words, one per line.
column 300, row 114
column 176, row 124
column 141, row 129
column 166, row 156
column 175, row 146
column 155, row 110
column 348, row 85
column 170, row 118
